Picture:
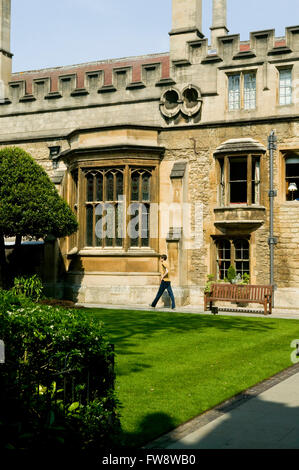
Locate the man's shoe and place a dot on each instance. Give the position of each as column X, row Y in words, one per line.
column 150, row 305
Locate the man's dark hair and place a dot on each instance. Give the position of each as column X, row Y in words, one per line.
column 164, row 257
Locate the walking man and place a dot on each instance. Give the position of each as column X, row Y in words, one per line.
column 165, row 283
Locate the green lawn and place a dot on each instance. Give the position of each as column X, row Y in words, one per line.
column 171, row 366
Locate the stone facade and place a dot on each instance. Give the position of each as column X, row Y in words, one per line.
column 196, row 121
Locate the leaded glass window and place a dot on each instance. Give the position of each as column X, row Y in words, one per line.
column 232, row 252
column 140, row 207
column 285, row 86
column 117, row 207
column 234, row 92
column 242, row 91
column 249, row 91
column 223, row 258
column 241, row 257
column 104, row 207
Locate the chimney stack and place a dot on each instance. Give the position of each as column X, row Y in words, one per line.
column 219, row 27
column 5, row 54
column 186, row 26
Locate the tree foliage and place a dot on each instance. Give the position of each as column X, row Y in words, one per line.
column 29, row 202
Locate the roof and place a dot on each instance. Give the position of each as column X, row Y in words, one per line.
column 240, row 146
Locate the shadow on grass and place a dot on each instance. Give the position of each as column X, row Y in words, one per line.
column 152, row 426
column 124, row 325
column 265, row 425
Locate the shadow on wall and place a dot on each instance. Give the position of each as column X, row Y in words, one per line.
column 73, row 279
column 27, row 260
column 45, row 259
column 62, row 277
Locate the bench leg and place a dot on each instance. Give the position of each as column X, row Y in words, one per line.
column 270, row 306
column 265, row 307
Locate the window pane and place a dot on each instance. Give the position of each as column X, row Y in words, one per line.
column 110, row 224
column 135, row 187
column 234, row 92
column 292, row 178
column 242, row 256
column 89, row 188
column 238, row 180
column 249, row 90
column 223, row 258
column 222, row 184
column 145, row 187
column 255, row 180
column 99, row 187
column 109, row 187
column 119, row 185
column 119, row 228
column 89, row 225
column 285, row 86
column 145, row 225
column 99, row 226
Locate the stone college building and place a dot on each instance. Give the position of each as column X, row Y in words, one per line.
column 166, row 153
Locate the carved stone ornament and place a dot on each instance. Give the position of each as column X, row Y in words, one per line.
column 170, row 103
column 192, row 100
column 188, row 101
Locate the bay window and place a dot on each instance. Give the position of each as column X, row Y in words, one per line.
column 239, row 181
column 113, row 204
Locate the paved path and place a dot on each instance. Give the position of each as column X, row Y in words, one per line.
column 264, row 417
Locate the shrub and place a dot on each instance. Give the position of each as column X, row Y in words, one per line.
column 8, row 299
column 231, row 274
column 210, row 281
column 245, row 279
column 31, row 287
column 57, row 383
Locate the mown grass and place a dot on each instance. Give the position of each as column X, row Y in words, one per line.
column 171, row 366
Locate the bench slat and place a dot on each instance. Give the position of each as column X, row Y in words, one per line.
column 241, row 293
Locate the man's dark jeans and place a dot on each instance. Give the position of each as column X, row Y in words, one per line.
column 164, row 285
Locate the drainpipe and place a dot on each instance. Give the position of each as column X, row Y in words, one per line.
column 272, row 241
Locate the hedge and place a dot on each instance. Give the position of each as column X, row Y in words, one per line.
column 57, row 382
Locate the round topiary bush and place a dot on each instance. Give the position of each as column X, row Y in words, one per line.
column 57, row 382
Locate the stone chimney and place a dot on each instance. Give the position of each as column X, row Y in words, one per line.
column 219, row 27
column 186, row 26
column 5, row 54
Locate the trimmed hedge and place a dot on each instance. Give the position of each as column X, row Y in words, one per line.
column 57, row 383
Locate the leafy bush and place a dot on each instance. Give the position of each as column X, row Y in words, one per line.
column 231, row 274
column 57, row 383
column 245, row 279
column 8, row 299
column 31, row 287
column 210, row 281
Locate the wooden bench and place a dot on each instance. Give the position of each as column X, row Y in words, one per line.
column 241, row 294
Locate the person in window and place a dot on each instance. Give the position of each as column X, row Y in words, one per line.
column 165, row 283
